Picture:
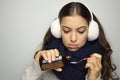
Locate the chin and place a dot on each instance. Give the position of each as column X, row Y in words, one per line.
column 72, row 49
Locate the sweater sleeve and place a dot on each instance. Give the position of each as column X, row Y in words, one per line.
column 31, row 73
column 97, row 78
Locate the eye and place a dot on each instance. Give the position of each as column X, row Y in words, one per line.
column 66, row 31
column 81, row 32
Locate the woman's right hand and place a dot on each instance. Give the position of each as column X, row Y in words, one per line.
column 48, row 55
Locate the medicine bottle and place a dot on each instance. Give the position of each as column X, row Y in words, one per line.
column 57, row 63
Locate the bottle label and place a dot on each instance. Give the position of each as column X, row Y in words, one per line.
column 57, row 63
column 56, row 59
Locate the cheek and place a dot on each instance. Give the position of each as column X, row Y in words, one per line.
column 65, row 38
column 83, row 38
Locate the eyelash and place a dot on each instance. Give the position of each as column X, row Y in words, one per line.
column 81, row 32
column 66, row 31
column 78, row 32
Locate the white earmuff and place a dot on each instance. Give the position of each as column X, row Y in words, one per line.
column 55, row 28
column 93, row 32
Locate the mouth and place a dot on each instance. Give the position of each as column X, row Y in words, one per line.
column 73, row 46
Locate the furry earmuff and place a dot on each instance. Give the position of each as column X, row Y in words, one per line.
column 55, row 28
column 93, row 32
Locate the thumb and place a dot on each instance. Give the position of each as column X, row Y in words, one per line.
column 58, row 69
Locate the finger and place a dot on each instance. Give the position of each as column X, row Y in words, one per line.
column 92, row 68
column 93, row 59
column 58, row 69
column 95, row 63
column 89, row 65
column 49, row 56
column 44, row 55
column 52, row 55
column 98, row 56
column 56, row 52
column 37, row 56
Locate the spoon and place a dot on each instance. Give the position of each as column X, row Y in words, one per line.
column 74, row 62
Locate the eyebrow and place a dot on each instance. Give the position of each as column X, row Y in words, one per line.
column 77, row 28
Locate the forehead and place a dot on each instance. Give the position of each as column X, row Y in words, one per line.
column 74, row 21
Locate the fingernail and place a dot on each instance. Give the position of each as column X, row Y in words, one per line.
column 85, row 66
column 53, row 59
column 85, row 59
column 49, row 61
column 60, row 69
column 57, row 55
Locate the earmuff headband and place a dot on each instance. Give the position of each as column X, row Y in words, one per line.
column 93, row 31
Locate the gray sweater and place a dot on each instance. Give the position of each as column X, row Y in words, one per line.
column 34, row 72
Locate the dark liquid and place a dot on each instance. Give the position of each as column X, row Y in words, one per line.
column 59, row 62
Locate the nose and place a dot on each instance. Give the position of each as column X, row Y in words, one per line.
column 73, row 37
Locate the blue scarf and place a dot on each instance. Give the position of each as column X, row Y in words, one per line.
column 74, row 71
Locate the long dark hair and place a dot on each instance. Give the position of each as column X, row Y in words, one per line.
column 78, row 8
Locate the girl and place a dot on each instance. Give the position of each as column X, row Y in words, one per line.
column 78, row 33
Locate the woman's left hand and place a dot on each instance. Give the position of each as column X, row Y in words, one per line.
column 94, row 66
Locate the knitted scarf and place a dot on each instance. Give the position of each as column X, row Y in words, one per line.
column 74, row 71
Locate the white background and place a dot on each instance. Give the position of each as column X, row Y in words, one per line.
column 23, row 24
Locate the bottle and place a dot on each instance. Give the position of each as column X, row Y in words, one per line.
column 57, row 63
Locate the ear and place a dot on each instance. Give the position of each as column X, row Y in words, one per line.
column 55, row 28
column 93, row 31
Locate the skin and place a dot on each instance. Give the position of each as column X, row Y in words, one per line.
column 74, row 31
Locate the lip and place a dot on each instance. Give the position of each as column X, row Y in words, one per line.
column 73, row 46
